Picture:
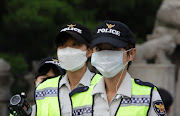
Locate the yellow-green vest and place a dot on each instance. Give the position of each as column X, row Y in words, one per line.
column 137, row 105
column 47, row 96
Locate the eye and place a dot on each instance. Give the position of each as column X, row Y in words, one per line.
column 114, row 48
column 98, row 48
column 75, row 44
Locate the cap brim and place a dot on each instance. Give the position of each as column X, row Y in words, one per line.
column 76, row 36
column 43, row 65
column 109, row 40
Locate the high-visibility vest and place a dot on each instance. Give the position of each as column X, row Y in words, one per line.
column 137, row 105
column 47, row 96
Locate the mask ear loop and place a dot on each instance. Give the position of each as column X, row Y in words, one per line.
column 121, row 76
column 128, row 50
column 122, row 70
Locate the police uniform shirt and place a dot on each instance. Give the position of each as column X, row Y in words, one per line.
column 65, row 89
column 33, row 110
column 103, row 108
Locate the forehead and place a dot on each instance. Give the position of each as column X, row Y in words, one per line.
column 105, row 45
column 68, row 40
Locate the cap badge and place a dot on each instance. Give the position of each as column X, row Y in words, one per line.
column 56, row 60
column 110, row 25
column 71, row 25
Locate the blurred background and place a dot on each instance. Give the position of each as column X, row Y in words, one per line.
column 29, row 27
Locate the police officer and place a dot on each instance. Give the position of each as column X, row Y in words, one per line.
column 48, row 67
column 52, row 96
column 117, row 94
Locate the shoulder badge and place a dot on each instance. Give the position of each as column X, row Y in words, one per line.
column 159, row 108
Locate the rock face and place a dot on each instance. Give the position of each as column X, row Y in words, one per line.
column 159, row 45
column 168, row 21
column 5, row 83
column 4, row 79
column 165, row 37
column 169, row 13
column 4, row 65
column 158, row 49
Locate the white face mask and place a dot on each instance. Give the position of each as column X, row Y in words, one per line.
column 108, row 62
column 71, row 59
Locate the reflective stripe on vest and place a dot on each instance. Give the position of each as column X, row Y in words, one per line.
column 82, row 102
column 139, row 102
column 137, row 105
column 47, row 96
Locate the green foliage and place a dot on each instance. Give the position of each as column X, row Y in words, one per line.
column 17, row 62
column 139, row 15
column 29, row 27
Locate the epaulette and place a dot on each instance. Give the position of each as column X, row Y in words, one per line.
column 78, row 90
column 137, row 81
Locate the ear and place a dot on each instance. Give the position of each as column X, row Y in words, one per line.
column 89, row 52
column 132, row 54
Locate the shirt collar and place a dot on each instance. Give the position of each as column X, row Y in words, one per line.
column 64, row 81
column 99, row 88
column 124, row 89
column 85, row 80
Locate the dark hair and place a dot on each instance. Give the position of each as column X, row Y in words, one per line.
column 166, row 97
column 63, row 40
column 45, row 69
column 127, row 48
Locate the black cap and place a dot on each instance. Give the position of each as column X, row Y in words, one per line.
column 52, row 61
column 79, row 32
column 113, row 32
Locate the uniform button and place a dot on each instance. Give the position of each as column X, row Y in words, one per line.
column 117, row 97
column 107, row 109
